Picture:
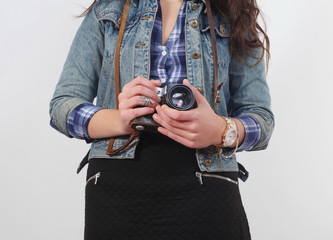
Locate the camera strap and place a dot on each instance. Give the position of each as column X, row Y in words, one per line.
column 110, row 150
column 117, row 51
column 217, row 87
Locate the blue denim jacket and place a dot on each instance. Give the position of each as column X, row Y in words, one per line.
column 88, row 72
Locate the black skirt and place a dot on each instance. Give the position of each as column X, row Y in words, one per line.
column 159, row 195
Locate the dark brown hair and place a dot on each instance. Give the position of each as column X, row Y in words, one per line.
column 246, row 33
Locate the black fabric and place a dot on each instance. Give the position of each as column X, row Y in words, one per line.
column 157, row 196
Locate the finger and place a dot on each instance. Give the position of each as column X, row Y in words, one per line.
column 142, row 81
column 136, row 112
column 134, row 102
column 182, row 132
column 139, row 90
column 163, row 119
column 178, row 115
column 138, row 81
column 157, row 83
column 176, row 137
column 198, row 96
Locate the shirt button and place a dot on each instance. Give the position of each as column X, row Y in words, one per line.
column 164, row 53
column 208, row 162
column 194, row 6
column 196, row 55
column 194, row 23
column 163, row 80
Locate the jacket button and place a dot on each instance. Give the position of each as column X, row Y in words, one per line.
column 196, row 55
column 194, row 23
column 199, row 90
column 208, row 162
column 194, row 6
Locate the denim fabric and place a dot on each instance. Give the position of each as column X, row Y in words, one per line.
column 88, row 72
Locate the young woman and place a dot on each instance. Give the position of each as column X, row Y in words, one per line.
column 179, row 182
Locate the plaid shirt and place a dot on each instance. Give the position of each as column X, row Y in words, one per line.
column 168, row 61
column 168, row 64
column 78, row 120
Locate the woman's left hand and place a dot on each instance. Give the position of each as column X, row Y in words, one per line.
column 196, row 128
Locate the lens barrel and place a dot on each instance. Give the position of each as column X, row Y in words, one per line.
column 180, row 97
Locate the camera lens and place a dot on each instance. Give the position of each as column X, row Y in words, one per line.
column 180, row 97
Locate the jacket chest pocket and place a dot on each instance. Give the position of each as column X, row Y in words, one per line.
column 111, row 19
column 222, row 45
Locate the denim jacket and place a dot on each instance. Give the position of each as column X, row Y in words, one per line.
column 88, row 72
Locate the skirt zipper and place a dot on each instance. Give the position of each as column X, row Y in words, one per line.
column 96, row 176
column 199, row 175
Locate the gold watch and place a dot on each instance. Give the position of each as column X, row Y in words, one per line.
column 230, row 135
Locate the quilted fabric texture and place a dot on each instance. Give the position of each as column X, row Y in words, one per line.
column 157, row 196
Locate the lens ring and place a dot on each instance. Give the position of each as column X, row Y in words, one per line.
column 180, row 97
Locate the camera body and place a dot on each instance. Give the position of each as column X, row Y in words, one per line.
column 177, row 96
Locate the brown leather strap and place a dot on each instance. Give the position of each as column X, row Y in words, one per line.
column 214, row 48
column 117, row 51
column 110, row 150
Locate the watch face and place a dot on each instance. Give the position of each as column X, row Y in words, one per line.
column 230, row 137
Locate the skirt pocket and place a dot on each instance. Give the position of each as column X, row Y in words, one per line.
column 93, row 178
column 201, row 176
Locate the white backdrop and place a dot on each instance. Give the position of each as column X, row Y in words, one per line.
column 289, row 193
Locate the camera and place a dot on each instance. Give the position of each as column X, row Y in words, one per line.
column 177, row 96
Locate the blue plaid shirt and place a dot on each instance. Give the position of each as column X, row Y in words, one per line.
column 168, row 64
column 168, row 61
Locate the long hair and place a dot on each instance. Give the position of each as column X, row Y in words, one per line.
column 246, row 33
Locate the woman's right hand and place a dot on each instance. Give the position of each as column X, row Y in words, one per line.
column 131, row 103
column 115, row 122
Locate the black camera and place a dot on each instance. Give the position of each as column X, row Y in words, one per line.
column 177, row 96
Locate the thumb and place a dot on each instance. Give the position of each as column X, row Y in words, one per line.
column 198, row 96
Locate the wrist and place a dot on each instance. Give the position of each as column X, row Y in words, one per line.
column 123, row 128
column 229, row 136
column 240, row 131
column 222, row 127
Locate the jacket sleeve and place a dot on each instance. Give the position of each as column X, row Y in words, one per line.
column 79, row 78
column 249, row 95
